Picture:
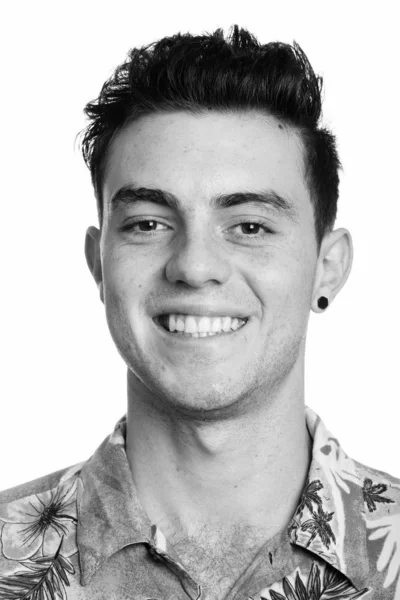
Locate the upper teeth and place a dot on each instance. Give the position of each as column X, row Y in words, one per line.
column 198, row 324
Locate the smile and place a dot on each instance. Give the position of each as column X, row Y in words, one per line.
column 187, row 327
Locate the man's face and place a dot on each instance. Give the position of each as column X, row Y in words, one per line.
column 200, row 254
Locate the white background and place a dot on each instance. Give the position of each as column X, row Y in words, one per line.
column 63, row 383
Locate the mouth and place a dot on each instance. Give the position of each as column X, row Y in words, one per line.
column 162, row 323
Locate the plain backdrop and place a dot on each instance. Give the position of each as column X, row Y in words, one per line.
column 63, row 383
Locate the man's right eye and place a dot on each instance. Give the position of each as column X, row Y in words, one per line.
column 142, row 229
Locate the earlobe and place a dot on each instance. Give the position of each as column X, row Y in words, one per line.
column 92, row 253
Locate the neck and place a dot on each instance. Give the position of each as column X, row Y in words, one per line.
column 248, row 469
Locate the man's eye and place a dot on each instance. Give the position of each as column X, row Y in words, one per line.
column 251, row 229
column 142, row 227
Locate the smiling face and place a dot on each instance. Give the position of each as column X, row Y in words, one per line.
column 199, row 252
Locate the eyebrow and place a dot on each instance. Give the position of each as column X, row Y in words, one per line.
column 131, row 194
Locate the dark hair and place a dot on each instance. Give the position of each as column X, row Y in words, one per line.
column 198, row 73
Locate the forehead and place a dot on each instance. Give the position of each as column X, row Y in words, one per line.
column 196, row 157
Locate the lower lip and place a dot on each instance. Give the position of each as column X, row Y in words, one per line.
column 209, row 339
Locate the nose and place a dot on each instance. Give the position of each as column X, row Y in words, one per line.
column 198, row 260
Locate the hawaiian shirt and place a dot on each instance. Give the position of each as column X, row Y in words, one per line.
column 81, row 533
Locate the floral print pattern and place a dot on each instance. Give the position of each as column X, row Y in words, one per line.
column 39, row 522
column 36, row 529
column 317, row 585
column 43, row 578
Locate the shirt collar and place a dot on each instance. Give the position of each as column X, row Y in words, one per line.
column 110, row 515
column 329, row 520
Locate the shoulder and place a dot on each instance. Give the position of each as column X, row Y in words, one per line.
column 381, row 501
column 38, row 519
column 39, row 485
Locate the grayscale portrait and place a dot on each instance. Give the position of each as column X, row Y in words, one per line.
column 213, row 240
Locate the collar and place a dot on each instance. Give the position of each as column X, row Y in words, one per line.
column 330, row 519
column 110, row 515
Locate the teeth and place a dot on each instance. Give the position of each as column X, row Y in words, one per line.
column 226, row 323
column 203, row 325
column 189, row 324
column 215, row 325
column 235, row 324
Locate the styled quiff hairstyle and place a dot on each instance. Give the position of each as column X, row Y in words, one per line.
column 197, row 73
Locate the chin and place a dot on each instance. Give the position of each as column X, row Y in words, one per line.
column 206, row 403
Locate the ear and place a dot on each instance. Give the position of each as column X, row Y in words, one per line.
column 333, row 266
column 93, row 259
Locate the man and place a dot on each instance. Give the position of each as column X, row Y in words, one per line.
column 217, row 195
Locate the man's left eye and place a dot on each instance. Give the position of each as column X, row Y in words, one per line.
column 253, row 227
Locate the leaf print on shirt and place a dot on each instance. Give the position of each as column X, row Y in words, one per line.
column 308, row 497
column 45, row 578
column 332, row 585
column 371, row 494
column 36, row 524
column 319, row 525
column 389, row 528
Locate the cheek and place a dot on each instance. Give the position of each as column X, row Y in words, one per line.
column 284, row 289
column 123, row 274
column 125, row 283
column 120, row 285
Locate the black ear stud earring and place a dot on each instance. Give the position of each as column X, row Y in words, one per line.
column 323, row 302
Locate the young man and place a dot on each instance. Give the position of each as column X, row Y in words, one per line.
column 217, row 196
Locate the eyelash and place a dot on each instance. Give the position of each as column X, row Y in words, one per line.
column 130, row 226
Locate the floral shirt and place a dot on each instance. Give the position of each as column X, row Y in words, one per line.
column 81, row 533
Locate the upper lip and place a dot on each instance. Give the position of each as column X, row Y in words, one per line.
column 202, row 310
